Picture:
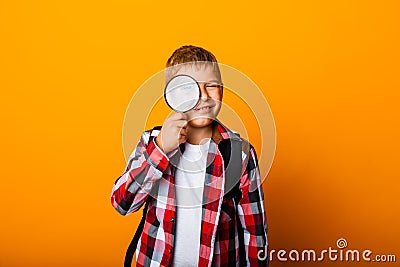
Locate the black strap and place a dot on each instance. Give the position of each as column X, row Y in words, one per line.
column 132, row 246
column 231, row 150
column 233, row 175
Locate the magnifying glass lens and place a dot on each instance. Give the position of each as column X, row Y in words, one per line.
column 182, row 93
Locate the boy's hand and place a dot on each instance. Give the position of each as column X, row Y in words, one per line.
column 173, row 132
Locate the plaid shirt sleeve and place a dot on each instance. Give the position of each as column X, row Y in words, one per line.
column 252, row 215
column 145, row 166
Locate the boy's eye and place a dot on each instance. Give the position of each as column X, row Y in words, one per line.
column 213, row 86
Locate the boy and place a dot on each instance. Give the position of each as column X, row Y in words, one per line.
column 180, row 171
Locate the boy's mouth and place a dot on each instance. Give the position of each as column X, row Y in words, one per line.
column 204, row 109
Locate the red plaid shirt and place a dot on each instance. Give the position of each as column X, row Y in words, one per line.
column 149, row 172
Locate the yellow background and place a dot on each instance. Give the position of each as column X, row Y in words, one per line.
column 68, row 69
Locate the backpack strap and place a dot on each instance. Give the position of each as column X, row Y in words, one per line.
column 132, row 246
column 232, row 150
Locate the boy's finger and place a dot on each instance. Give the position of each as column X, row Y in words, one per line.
column 183, row 132
column 185, row 125
column 177, row 116
column 182, row 139
column 184, row 116
column 173, row 117
column 180, row 123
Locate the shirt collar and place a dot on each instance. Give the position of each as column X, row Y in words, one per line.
column 221, row 132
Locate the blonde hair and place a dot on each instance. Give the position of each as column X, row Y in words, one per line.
column 190, row 55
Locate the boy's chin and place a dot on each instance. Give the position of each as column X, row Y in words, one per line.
column 200, row 122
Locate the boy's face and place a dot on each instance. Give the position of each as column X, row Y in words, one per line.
column 211, row 95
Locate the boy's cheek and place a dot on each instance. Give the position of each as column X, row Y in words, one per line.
column 217, row 108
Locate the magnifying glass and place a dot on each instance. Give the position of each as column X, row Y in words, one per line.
column 182, row 93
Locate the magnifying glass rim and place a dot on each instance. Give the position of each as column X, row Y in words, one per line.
column 198, row 87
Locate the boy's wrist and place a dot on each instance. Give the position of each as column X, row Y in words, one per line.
column 159, row 145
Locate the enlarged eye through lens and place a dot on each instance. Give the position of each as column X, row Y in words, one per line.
column 182, row 93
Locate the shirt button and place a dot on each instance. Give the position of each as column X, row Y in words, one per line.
column 172, row 219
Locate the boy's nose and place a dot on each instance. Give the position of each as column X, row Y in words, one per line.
column 203, row 91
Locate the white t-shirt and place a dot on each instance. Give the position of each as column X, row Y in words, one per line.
column 189, row 184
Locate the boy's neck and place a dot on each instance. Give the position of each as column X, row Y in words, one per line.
column 196, row 136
